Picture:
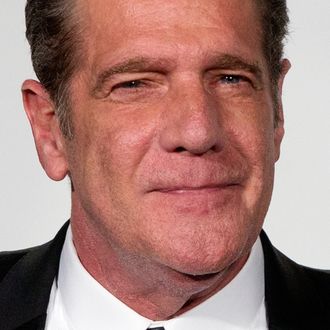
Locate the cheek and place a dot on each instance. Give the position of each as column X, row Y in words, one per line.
column 124, row 145
column 253, row 136
column 251, row 129
column 111, row 146
column 105, row 155
column 260, row 184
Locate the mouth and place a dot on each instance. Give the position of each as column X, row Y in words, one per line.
column 196, row 200
column 186, row 189
column 195, row 189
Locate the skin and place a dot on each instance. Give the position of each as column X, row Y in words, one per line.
column 173, row 155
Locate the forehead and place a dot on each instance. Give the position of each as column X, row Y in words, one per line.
column 166, row 9
column 126, row 26
column 154, row 13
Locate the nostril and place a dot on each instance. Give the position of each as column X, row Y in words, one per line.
column 180, row 149
column 195, row 151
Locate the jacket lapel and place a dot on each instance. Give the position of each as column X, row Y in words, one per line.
column 25, row 290
column 293, row 293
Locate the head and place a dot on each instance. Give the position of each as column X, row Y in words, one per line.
column 174, row 135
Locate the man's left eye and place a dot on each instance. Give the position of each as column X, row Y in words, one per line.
column 231, row 79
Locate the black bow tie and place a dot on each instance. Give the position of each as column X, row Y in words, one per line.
column 158, row 328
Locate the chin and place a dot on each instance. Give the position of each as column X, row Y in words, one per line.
column 203, row 259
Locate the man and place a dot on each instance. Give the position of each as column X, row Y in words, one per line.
column 167, row 117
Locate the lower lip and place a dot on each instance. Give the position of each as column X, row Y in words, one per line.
column 199, row 201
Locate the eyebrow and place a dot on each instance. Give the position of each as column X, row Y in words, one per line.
column 231, row 62
column 137, row 64
column 143, row 64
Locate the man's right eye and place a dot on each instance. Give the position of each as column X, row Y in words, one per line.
column 135, row 90
column 132, row 84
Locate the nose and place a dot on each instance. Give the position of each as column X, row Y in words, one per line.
column 191, row 121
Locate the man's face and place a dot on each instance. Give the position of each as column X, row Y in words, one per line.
column 174, row 147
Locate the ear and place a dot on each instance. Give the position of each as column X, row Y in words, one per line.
column 279, row 128
column 46, row 131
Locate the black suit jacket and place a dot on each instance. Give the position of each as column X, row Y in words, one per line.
column 297, row 297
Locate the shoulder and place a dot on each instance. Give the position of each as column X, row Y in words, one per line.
column 32, row 260
column 296, row 296
column 8, row 259
column 282, row 267
column 26, row 278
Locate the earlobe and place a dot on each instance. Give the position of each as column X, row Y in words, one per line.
column 279, row 128
column 48, row 138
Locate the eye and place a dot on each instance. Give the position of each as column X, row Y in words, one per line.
column 231, row 79
column 132, row 84
column 146, row 88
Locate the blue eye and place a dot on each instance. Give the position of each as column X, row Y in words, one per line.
column 231, row 79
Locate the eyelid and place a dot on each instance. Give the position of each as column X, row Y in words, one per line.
column 109, row 86
column 234, row 76
column 245, row 77
column 150, row 86
column 123, row 83
column 146, row 77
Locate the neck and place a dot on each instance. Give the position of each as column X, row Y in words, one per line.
column 152, row 289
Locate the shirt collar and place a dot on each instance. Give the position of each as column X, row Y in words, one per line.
column 87, row 305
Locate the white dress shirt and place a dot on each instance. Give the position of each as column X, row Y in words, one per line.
column 79, row 302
